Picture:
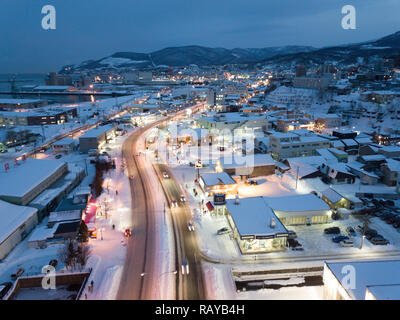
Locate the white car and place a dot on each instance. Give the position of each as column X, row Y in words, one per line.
column 185, row 267
column 190, row 226
column 165, row 175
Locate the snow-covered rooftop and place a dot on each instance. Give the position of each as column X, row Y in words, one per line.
column 296, row 203
column 252, row 216
column 216, row 178
column 368, row 274
column 12, row 217
column 19, row 180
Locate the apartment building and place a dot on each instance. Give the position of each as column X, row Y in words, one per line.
column 289, row 145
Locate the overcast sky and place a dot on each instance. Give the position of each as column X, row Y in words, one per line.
column 92, row 29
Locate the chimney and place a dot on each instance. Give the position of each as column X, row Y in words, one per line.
column 237, row 199
column 273, row 223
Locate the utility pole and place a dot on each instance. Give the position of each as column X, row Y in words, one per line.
column 297, row 176
column 365, row 227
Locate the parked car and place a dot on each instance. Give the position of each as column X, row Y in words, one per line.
column 379, row 240
column 340, row 238
column 223, row 231
column 332, row 230
column 16, row 275
column 346, row 243
column 351, row 231
column 292, row 234
column 4, row 288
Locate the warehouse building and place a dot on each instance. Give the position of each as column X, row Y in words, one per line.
column 15, row 224
column 362, row 280
column 96, row 138
column 255, row 226
column 299, row 209
column 29, row 178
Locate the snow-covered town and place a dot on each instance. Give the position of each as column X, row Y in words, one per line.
column 191, row 174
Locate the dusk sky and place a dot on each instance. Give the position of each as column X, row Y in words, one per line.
column 92, row 29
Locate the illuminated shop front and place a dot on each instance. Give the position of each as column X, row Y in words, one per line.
column 255, row 226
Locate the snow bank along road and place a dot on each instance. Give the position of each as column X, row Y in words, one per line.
column 141, row 248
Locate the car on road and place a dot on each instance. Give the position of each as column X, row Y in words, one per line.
column 128, row 233
column 4, row 288
column 332, row 230
column 351, row 231
column 183, row 199
column 190, row 226
column 346, row 243
column 165, row 175
column 185, row 266
column 58, row 156
column 174, row 203
column 223, row 231
column 340, row 238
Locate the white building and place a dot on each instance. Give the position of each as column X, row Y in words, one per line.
column 362, row 280
column 255, row 226
column 289, row 145
column 299, row 209
column 15, row 224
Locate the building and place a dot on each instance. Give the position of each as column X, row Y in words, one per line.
column 65, row 145
column 328, row 121
column 37, row 117
column 13, row 104
column 55, row 79
column 299, row 209
column 301, row 71
column 315, row 83
column 255, row 226
column 362, row 280
column 67, row 230
column 215, row 97
column 16, row 222
column 218, row 182
column 289, row 145
column 30, row 178
column 234, row 120
column 95, row 138
column 248, row 166
column 291, row 97
column 335, row 200
column 391, row 171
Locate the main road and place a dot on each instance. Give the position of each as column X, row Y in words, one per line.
column 140, row 279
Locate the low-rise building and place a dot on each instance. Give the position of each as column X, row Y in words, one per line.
column 96, row 138
column 255, row 226
column 362, row 280
column 65, row 145
column 218, row 182
column 16, row 222
column 289, row 145
column 30, row 178
column 299, row 209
